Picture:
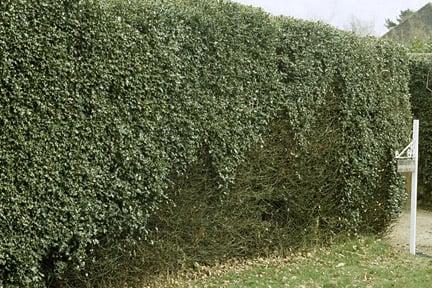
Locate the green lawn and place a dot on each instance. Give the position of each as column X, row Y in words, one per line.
column 362, row 263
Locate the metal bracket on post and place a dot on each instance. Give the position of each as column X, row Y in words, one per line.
column 407, row 161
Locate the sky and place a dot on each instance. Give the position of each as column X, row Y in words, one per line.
column 340, row 13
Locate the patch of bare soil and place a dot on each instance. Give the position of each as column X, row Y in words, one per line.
column 399, row 233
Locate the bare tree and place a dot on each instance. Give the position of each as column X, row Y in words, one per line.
column 361, row 27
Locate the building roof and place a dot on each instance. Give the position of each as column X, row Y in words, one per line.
column 416, row 26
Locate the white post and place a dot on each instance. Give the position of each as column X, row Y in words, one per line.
column 415, row 153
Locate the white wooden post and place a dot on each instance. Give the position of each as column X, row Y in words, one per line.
column 408, row 162
column 415, row 154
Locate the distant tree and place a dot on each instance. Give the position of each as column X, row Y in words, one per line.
column 404, row 14
column 390, row 24
column 360, row 27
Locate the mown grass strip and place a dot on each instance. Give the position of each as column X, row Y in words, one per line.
column 367, row 262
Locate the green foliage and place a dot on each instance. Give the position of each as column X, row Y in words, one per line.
column 98, row 114
column 390, row 24
column 325, row 165
column 105, row 105
column 340, row 164
column 421, row 102
column 421, row 45
column 78, row 159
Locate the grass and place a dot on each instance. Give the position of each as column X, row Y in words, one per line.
column 366, row 262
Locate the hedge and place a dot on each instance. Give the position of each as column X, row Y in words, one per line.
column 105, row 103
column 351, row 111
column 421, row 101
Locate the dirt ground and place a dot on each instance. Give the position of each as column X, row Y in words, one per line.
column 399, row 233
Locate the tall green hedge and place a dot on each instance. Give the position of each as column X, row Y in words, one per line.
column 351, row 111
column 420, row 88
column 104, row 103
